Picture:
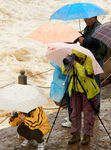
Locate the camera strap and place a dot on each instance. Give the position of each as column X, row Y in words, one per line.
column 80, row 83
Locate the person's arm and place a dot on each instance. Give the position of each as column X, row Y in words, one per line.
column 91, row 44
column 63, row 70
column 86, row 70
column 14, row 121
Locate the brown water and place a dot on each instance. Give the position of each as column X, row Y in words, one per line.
column 17, row 20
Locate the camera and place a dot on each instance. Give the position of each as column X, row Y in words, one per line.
column 68, row 62
column 14, row 115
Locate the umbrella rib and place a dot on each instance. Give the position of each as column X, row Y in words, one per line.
column 69, row 10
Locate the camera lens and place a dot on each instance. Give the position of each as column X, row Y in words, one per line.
column 15, row 114
column 66, row 61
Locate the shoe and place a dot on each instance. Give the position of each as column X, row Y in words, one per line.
column 41, row 146
column 67, row 118
column 33, row 142
column 86, row 140
column 66, row 124
column 24, row 143
column 75, row 138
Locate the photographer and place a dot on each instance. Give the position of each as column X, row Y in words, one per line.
column 82, row 90
column 32, row 126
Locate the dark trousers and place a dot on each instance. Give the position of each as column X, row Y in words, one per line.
column 82, row 104
column 67, row 99
column 29, row 134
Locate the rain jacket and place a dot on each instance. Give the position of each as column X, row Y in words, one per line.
column 87, row 81
column 36, row 119
column 98, row 48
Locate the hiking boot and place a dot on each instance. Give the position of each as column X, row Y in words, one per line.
column 24, row 143
column 86, row 140
column 75, row 138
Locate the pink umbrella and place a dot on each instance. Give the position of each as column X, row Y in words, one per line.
column 58, row 51
column 50, row 33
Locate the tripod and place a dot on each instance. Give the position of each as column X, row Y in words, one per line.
column 73, row 76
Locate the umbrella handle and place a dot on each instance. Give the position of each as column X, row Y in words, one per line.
column 79, row 25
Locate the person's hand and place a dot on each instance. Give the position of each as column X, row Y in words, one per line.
column 10, row 116
column 22, row 116
column 74, row 62
column 67, row 56
column 81, row 39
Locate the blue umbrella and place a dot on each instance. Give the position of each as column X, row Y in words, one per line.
column 77, row 11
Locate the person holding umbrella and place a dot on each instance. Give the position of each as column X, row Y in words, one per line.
column 32, row 126
column 98, row 48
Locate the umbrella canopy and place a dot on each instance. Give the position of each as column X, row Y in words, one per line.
column 103, row 33
column 77, row 11
column 22, row 98
column 58, row 51
column 50, row 33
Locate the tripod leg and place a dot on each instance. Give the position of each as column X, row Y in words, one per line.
column 95, row 110
column 75, row 101
column 58, row 111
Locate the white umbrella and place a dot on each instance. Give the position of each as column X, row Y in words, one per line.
column 58, row 51
column 22, row 98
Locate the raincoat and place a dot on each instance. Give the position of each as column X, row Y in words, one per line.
column 80, row 69
column 36, row 119
column 98, row 48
